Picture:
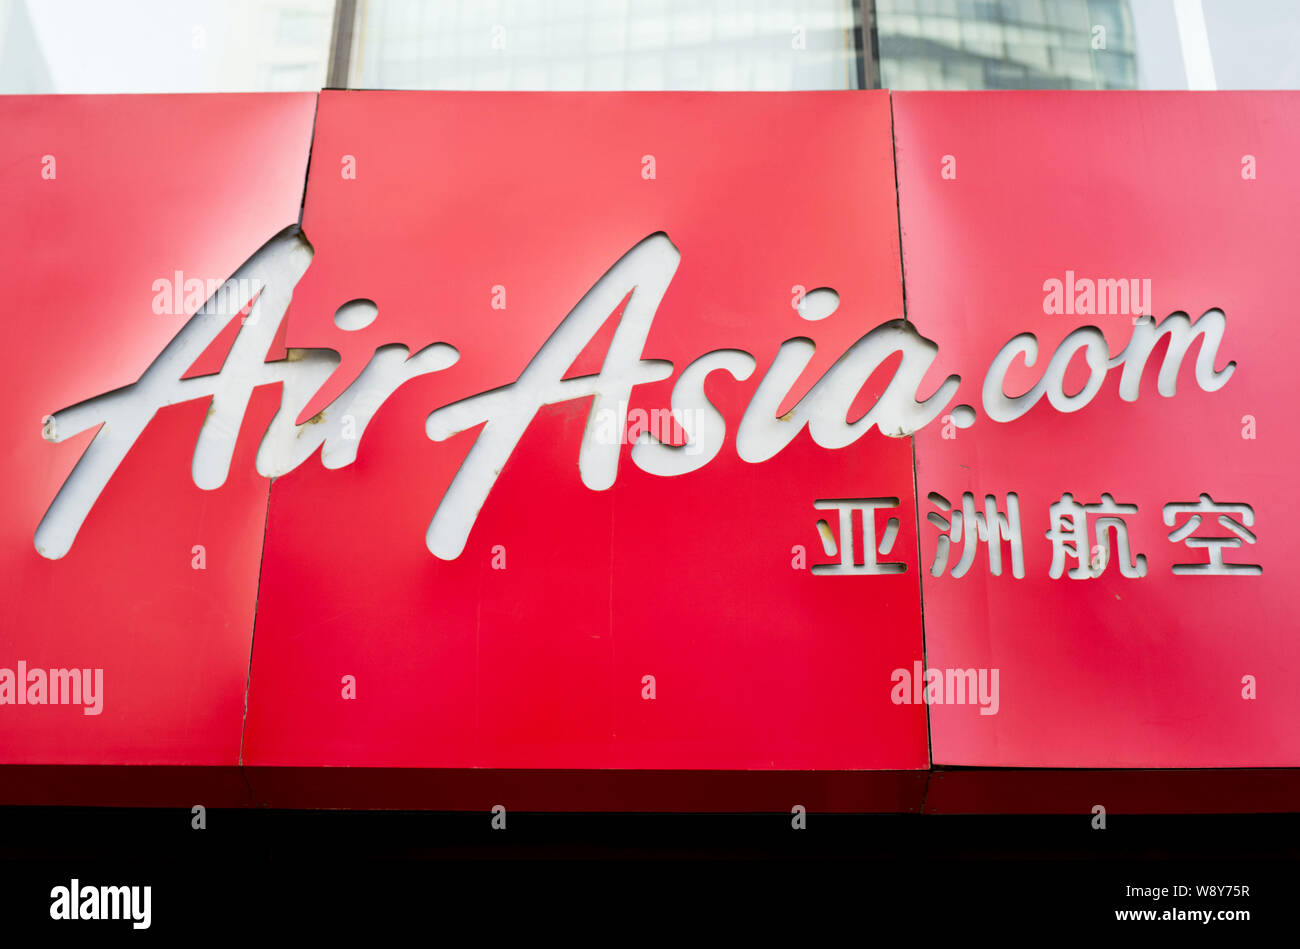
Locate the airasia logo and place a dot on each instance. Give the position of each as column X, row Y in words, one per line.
column 637, row 281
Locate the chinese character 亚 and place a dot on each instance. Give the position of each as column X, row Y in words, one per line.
column 865, row 508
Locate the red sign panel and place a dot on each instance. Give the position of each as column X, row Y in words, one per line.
column 504, row 577
column 129, row 591
column 1109, row 274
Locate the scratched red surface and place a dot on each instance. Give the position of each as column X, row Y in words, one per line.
column 142, row 186
column 688, row 579
column 1112, row 671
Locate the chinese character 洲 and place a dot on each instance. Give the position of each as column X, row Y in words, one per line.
column 988, row 526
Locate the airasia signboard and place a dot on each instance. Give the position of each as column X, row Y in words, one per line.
column 577, row 432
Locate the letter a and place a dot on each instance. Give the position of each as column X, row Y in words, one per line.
column 59, row 908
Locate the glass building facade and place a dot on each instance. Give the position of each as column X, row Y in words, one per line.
column 305, row 45
column 1006, row 44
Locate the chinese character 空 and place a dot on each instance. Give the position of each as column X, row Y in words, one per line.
column 1215, row 545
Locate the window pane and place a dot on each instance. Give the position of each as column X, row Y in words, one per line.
column 605, row 44
column 1088, row 44
column 164, row 45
